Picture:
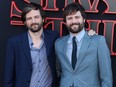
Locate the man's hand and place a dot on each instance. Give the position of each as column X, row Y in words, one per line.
column 91, row 32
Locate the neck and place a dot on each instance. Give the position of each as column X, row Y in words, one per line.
column 75, row 34
column 36, row 35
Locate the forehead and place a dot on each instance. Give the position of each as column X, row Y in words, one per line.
column 78, row 13
column 33, row 13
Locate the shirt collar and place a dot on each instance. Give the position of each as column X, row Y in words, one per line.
column 30, row 39
column 79, row 36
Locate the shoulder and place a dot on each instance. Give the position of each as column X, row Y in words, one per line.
column 61, row 39
column 93, row 37
column 97, row 37
column 50, row 33
column 17, row 38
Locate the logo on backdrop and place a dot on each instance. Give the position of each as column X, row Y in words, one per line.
column 100, row 18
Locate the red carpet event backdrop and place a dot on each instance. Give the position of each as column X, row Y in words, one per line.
column 99, row 23
column 101, row 17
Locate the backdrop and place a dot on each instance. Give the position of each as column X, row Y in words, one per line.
column 101, row 17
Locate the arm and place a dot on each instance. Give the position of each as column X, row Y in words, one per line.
column 9, row 80
column 104, row 63
column 58, row 66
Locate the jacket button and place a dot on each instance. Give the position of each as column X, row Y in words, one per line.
column 71, row 85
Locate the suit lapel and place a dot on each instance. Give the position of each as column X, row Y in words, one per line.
column 83, row 50
column 47, row 43
column 68, row 64
column 25, row 47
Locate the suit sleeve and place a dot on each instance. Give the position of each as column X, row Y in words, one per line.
column 58, row 66
column 104, row 61
column 9, row 79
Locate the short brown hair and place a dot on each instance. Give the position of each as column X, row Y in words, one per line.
column 32, row 6
column 73, row 8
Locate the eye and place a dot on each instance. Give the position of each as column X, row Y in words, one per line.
column 28, row 18
column 37, row 16
column 69, row 18
column 77, row 17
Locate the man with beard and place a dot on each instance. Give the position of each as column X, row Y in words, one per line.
column 84, row 60
column 30, row 58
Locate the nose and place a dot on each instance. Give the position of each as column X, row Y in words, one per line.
column 33, row 20
column 74, row 20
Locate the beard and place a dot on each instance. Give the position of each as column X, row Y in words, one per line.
column 76, row 29
column 35, row 27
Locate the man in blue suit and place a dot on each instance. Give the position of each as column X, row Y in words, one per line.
column 30, row 59
column 84, row 60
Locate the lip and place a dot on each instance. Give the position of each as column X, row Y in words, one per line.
column 74, row 25
column 34, row 26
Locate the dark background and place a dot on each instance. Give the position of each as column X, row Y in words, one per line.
column 7, row 30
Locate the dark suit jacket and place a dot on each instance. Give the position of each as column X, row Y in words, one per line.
column 18, row 68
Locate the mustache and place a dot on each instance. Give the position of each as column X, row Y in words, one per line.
column 34, row 24
column 75, row 24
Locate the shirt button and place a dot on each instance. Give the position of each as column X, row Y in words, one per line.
column 38, row 81
column 39, row 60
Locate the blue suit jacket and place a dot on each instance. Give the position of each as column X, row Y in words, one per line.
column 18, row 67
column 93, row 67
